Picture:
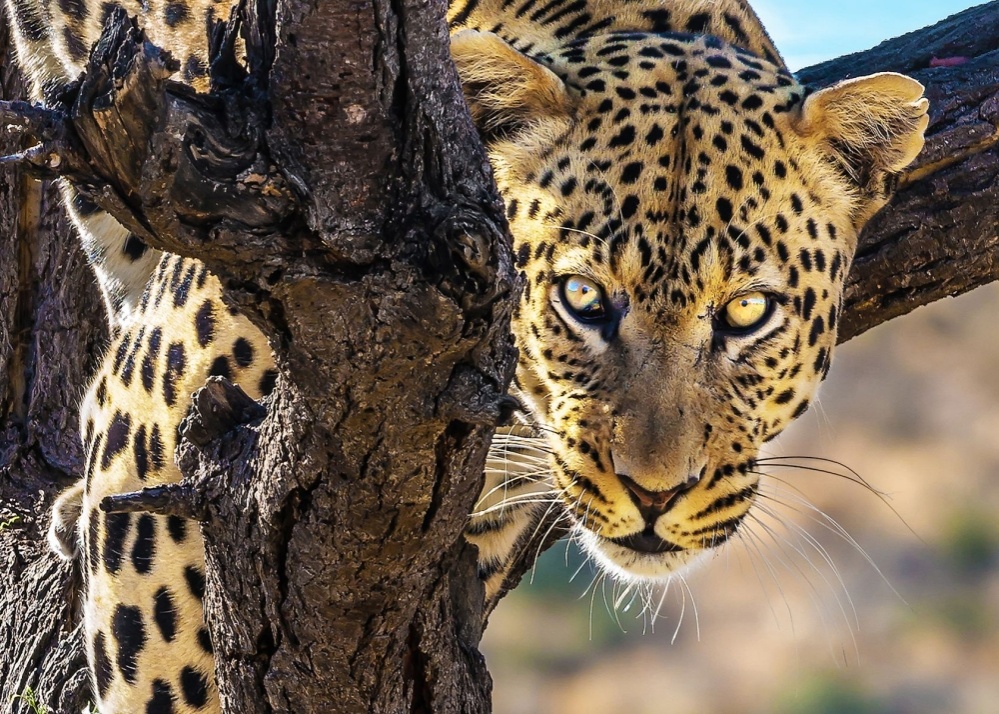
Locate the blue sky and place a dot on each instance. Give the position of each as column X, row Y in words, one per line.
column 809, row 31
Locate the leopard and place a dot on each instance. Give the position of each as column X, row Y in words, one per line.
column 684, row 214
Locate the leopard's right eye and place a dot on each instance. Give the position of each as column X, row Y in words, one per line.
column 584, row 299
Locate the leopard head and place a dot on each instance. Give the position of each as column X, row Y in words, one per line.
column 684, row 215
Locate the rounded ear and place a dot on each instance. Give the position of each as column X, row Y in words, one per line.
column 872, row 126
column 506, row 91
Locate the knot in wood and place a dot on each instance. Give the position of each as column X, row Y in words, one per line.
column 467, row 256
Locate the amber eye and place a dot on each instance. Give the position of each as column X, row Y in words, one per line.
column 583, row 298
column 747, row 312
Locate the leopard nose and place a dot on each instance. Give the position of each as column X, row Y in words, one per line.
column 652, row 504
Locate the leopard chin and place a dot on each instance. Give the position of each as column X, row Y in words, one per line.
column 631, row 565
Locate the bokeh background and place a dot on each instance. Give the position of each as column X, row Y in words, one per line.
column 899, row 616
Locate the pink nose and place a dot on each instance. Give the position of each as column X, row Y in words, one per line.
column 653, row 504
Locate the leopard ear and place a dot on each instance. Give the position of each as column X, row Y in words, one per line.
column 506, row 91
column 871, row 126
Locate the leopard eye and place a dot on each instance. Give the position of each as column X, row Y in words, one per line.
column 747, row 312
column 583, row 298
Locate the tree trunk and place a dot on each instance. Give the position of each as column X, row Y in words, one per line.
column 338, row 580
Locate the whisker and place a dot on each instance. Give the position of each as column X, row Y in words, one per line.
column 693, row 605
column 679, row 622
column 537, row 553
column 602, row 241
column 607, row 603
column 830, row 524
column 514, row 501
column 808, row 539
column 816, row 545
column 853, row 624
column 505, row 484
column 598, row 578
column 662, row 599
column 581, row 565
column 852, row 477
column 753, row 540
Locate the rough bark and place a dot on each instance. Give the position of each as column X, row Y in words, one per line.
column 337, row 578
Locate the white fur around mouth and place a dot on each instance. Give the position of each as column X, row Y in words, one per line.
column 630, row 565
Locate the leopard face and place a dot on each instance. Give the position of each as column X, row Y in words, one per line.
column 684, row 216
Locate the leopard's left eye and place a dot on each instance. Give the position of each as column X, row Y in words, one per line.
column 746, row 313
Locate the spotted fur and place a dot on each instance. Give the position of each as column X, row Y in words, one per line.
column 684, row 214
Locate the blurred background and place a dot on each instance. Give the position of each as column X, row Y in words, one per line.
column 896, row 613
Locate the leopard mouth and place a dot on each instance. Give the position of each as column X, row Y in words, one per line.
column 647, row 542
column 643, row 556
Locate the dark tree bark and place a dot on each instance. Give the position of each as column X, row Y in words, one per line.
column 374, row 260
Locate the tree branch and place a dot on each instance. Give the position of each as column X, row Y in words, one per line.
column 188, row 173
column 940, row 235
column 170, row 500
